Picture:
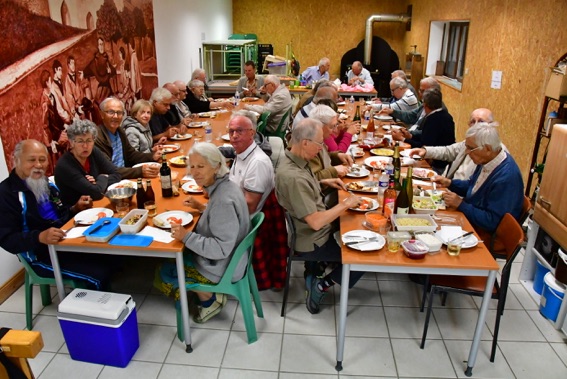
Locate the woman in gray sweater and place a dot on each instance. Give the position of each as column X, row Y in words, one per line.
column 222, row 226
column 137, row 127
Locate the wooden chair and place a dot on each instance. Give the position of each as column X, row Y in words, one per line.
column 512, row 237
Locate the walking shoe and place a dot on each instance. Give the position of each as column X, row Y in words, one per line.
column 314, row 297
column 205, row 314
column 222, row 298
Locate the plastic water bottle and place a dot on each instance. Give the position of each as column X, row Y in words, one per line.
column 389, row 170
column 382, row 185
column 236, row 99
column 367, row 116
column 208, row 133
column 351, row 102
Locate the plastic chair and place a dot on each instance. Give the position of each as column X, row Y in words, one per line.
column 32, row 278
column 495, row 245
column 282, row 127
column 262, row 122
column 241, row 289
column 512, row 237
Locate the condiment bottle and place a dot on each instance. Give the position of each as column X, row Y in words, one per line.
column 389, row 199
column 370, row 128
column 402, row 201
column 150, row 196
column 165, row 178
column 140, row 194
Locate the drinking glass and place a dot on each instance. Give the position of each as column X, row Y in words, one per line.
column 122, row 208
column 151, row 207
column 454, row 247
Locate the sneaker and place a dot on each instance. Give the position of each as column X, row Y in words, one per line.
column 205, row 314
column 314, row 297
column 222, row 298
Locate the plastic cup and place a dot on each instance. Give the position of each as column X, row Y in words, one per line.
column 151, row 207
column 384, row 229
column 454, row 247
column 393, row 243
column 122, row 208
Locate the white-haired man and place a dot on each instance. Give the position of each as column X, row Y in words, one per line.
column 316, row 73
column 404, row 99
column 358, row 75
column 279, row 103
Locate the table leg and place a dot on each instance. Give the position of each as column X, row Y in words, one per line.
column 342, row 317
column 183, row 301
column 480, row 322
column 57, row 272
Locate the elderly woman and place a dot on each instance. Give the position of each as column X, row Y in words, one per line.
column 194, row 102
column 211, row 244
column 83, row 170
column 137, row 127
column 341, row 134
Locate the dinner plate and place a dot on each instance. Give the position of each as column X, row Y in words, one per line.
column 405, row 153
column 90, row 216
column 199, row 124
column 367, row 204
column 341, row 103
column 207, row 114
column 363, row 186
column 164, row 219
column 356, row 151
column 169, row 148
column 469, row 241
column 377, row 162
column 354, row 138
column 423, row 173
column 250, row 99
column 147, row 163
column 407, row 161
column 382, row 152
column 385, row 126
column 179, row 161
column 123, row 184
column 343, row 116
column 376, row 243
column 192, row 187
column 362, row 172
column 383, row 117
column 181, row 137
column 225, row 137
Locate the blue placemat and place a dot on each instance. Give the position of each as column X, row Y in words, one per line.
column 131, row 240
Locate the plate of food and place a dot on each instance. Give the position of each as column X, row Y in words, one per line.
column 225, row 137
column 423, row 173
column 354, row 138
column 356, row 152
column 170, row 148
column 343, row 116
column 377, row 162
column 363, row 186
column 406, row 161
column 197, row 124
column 406, row 153
column 366, row 204
column 341, row 103
column 382, row 117
column 191, row 187
column 341, row 111
column 123, row 184
column 357, row 172
column 250, row 99
column 156, row 164
column 165, row 219
column 207, row 114
column 181, row 137
column 90, row 216
column 179, row 161
column 363, row 240
column 382, row 152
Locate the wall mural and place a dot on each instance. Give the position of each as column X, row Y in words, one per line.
column 60, row 59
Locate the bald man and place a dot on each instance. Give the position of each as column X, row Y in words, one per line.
column 358, row 75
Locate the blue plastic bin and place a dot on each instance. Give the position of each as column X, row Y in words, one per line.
column 540, row 273
column 551, row 298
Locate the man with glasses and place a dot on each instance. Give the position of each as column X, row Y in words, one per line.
column 198, row 103
column 325, row 91
column 160, row 124
column 182, row 108
column 112, row 141
column 358, row 75
column 494, row 189
column 299, row 192
column 404, row 99
column 174, row 115
column 278, row 104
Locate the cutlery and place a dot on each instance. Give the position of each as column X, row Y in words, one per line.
column 351, row 244
column 98, row 227
column 463, row 236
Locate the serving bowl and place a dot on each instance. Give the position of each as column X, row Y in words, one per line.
column 424, row 205
column 117, row 195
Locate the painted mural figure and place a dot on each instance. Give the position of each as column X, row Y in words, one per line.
column 123, row 74
column 135, row 73
column 58, row 91
column 103, row 72
column 54, row 134
column 75, row 90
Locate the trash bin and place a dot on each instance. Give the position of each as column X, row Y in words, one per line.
column 551, row 297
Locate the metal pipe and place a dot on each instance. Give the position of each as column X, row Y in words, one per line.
column 379, row 18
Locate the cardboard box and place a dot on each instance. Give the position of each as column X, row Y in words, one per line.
column 556, row 86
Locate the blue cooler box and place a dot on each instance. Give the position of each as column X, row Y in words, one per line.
column 99, row 327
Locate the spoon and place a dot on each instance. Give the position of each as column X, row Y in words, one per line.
column 98, row 227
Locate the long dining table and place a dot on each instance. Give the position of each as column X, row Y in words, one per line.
column 219, row 123
column 475, row 261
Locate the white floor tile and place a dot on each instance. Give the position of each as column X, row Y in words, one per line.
column 483, row 368
column 511, row 301
column 300, row 321
column 409, row 322
column 170, row 371
column 227, row 373
column 308, row 354
column 222, row 321
column 459, row 324
column 40, row 362
column 523, row 296
column 293, row 375
column 138, row 370
column 367, row 356
column 364, row 321
column 400, row 294
column 208, row 348
column 62, row 366
column 13, row 320
column 50, row 332
column 546, row 327
column 155, row 342
column 157, row 310
column 364, row 292
column 561, row 350
column 272, row 322
column 514, row 326
column 413, row 361
column 530, row 360
column 263, row 354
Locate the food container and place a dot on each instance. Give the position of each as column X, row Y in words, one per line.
column 415, row 249
column 432, row 242
column 374, row 220
column 134, row 221
column 424, row 205
column 117, row 195
column 414, row 222
column 103, row 230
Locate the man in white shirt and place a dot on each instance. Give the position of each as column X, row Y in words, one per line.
column 359, row 75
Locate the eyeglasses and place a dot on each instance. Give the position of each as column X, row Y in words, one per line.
column 267, row 84
column 320, row 144
column 84, row 142
column 112, row 113
column 469, row 149
column 392, row 90
column 238, row 132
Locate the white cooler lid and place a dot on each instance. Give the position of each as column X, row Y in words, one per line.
column 104, row 305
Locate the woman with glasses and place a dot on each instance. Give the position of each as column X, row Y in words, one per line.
column 137, row 127
column 83, row 170
column 341, row 133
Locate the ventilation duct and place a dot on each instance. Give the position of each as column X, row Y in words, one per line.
column 382, row 18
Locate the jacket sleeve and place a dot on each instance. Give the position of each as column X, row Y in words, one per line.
column 445, row 153
column 12, row 237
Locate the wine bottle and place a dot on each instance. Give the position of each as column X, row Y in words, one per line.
column 150, row 196
column 402, row 201
column 397, row 162
column 370, row 128
column 165, row 178
column 409, row 187
column 397, row 184
column 389, row 199
column 140, row 194
column 356, row 114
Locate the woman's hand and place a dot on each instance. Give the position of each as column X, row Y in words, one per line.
column 178, row 232
column 192, row 202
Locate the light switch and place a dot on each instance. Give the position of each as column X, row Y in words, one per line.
column 496, row 82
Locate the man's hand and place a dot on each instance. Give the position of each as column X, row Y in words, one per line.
column 397, row 135
column 386, row 111
column 51, row 236
column 341, row 170
column 346, row 159
column 171, row 132
column 417, row 151
column 334, row 183
column 445, row 182
column 85, row 202
column 352, row 201
column 452, row 200
column 150, row 171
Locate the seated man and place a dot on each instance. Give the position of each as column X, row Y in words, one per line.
column 299, row 192
column 495, row 188
column 403, row 97
column 174, row 115
column 278, row 104
column 358, row 75
column 316, row 73
column 195, row 101
column 250, row 83
column 182, row 108
column 323, row 92
column 161, row 123
column 32, row 215
column 402, row 74
column 200, row 74
column 112, row 141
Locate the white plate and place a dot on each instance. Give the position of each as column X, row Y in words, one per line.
column 446, row 234
column 423, row 173
column 360, row 235
column 163, row 223
column 90, row 216
column 225, row 137
column 358, row 174
column 407, row 161
column 343, row 116
column 354, row 138
column 250, row 99
column 181, row 137
column 341, row 103
column 470, row 241
column 386, row 126
column 405, row 153
column 122, row 184
column 169, row 148
column 208, row 114
column 383, row 117
column 381, row 162
column 192, row 187
column 147, row 163
column 198, row 124
column 373, row 205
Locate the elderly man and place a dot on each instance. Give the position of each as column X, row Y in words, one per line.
column 182, row 108
column 402, row 74
column 250, row 83
column 160, row 123
column 299, row 192
column 195, row 101
column 462, row 166
column 200, row 74
column 279, row 103
column 316, row 73
column 32, row 217
column 324, row 92
column 112, row 141
column 496, row 186
column 174, row 115
column 358, row 75
column 404, row 99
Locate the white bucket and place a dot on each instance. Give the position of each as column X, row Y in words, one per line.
column 551, row 297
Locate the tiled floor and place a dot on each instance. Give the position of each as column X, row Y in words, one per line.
column 383, row 331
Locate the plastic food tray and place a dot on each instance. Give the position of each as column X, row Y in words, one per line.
column 429, row 228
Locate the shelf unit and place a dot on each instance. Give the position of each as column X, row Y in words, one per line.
column 224, row 59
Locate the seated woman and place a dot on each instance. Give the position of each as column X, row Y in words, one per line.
column 211, row 244
column 194, row 102
column 83, row 170
column 341, row 133
column 137, row 127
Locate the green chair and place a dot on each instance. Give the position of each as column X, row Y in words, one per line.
column 262, row 122
column 282, row 127
column 240, row 289
column 32, row 278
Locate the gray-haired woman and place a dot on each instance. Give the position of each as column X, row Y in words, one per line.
column 83, row 170
column 211, row 243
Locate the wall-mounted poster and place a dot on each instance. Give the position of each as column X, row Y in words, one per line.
column 60, row 58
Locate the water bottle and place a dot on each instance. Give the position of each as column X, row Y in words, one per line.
column 351, row 102
column 382, row 186
column 236, row 99
column 389, row 170
column 208, row 133
column 367, row 116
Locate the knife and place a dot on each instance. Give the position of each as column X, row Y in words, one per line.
column 463, row 236
column 99, row 226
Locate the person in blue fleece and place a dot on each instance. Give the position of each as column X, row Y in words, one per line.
column 496, row 186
